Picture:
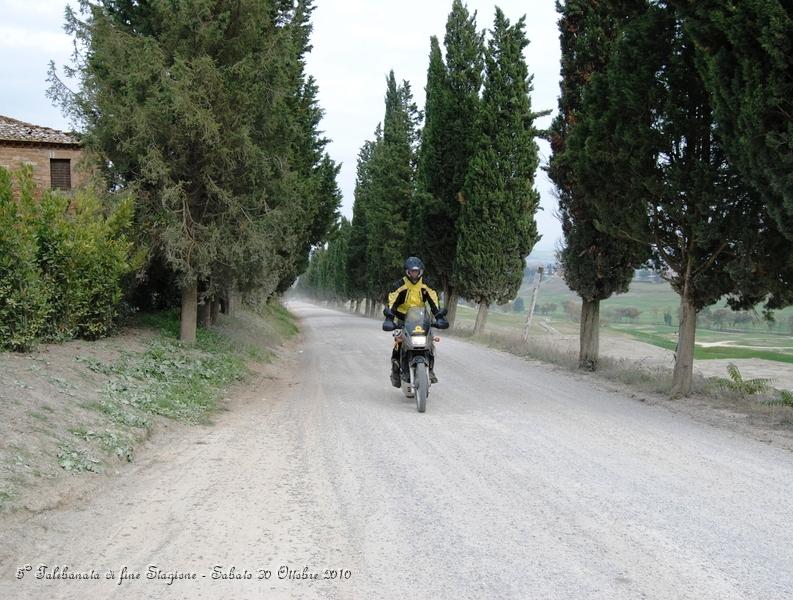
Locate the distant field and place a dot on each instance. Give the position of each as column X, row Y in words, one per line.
column 652, row 300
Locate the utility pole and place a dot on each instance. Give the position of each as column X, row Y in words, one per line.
column 535, row 289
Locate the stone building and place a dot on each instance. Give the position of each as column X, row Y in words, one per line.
column 54, row 155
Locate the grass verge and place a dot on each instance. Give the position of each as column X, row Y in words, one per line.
column 83, row 407
column 701, row 353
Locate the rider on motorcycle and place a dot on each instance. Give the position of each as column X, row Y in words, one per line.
column 408, row 292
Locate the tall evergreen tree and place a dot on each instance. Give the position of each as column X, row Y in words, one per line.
column 357, row 252
column 649, row 120
column 595, row 264
column 191, row 105
column 745, row 52
column 745, row 56
column 496, row 227
column 393, row 180
column 448, row 142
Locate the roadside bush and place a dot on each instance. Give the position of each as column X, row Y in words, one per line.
column 23, row 297
column 83, row 255
column 744, row 387
column 64, row 263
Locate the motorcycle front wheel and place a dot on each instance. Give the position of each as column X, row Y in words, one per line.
column 421, row 384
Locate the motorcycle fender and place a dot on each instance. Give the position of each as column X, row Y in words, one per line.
column 418, row 359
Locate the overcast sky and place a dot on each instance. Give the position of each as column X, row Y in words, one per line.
column 356, row 43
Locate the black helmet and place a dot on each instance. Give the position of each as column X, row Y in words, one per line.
column 414, row 264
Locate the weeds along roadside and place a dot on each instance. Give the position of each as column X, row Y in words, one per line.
column 107, row 396
column 754, row 396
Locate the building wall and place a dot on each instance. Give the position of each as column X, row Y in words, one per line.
column 12, row 156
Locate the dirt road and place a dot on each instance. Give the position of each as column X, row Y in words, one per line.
column 519, row 481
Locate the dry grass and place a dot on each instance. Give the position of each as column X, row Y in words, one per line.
column 763, row 404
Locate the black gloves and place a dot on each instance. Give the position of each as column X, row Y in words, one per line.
column 388, row 324
column 440, row 320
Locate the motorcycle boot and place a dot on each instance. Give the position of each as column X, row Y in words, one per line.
column 405, row 369
column 395, row 380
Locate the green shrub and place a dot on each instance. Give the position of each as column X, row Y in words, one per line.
column 745, row 387
column 23, row 296
column 85, row 255
column 74, row 247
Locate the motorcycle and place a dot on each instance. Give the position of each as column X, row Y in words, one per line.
column 417, row 349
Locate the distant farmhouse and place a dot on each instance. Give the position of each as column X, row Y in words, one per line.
column 52, row 154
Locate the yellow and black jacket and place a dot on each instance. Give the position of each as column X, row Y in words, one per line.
column 408, row 294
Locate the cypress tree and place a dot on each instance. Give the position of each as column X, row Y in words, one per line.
column 649, row 120
column 357, row 252
column 393, row 180
column 496, row 224
column 595, row 264
column 205, row 99
column 745, row 52
column 448, row 142
column 427, row 209
column 745, row 57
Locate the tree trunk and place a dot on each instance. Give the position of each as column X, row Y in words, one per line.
column 231, row 303
column 451, row 305
column 367, row 307
column 481, row 318
column 203, row 314
column 214, row 310
column 357, row 306
column 188, row 319
column 684, row 357
column 589, row 335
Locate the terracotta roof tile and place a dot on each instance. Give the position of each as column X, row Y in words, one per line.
column 18, row 131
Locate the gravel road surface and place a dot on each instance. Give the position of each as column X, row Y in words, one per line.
column 520, row 481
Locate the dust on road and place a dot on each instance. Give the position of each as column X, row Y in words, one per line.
column 520, row 481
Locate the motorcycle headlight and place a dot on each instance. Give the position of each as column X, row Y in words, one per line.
column 418, row 340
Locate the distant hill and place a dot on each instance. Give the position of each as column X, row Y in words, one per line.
column 541, row 257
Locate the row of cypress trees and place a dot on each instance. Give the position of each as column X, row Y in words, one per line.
column 460, row 192
column 673, row 146
column 204, row 111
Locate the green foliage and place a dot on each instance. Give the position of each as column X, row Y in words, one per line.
column 327, row 277
column 357, row 250
column 595, row 263
column 111, row 442
column 745, row 387
column 205, row 110
column 393, row 178
column 75, row 460
column 745, row 56
column 383, row 191
column 24, row 306
column 275, row 314
column 785, row 398
column 496, row 227
column 655, row 165
column 743, row 53
column 63, row 263
column 448, row 141
column 83, row 255
column 166, row 379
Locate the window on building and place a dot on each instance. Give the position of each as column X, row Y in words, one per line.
column 61, row 173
